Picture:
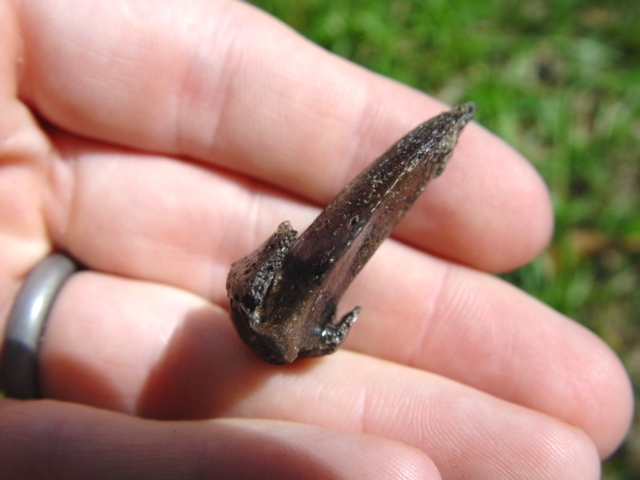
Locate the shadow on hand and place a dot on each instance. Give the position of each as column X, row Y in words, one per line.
column 206, row 369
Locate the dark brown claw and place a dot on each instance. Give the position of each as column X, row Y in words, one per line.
column 283, row 296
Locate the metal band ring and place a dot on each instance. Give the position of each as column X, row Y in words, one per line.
column 26, row 323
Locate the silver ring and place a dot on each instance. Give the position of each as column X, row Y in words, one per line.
column 26, row 323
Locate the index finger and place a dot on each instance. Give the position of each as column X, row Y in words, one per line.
column 226, row 84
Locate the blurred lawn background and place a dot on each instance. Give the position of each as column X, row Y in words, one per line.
column 560, row 81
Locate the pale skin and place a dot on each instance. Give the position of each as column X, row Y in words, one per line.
column 157, row 142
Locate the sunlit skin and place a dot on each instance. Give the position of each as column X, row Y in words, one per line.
column 159, row 141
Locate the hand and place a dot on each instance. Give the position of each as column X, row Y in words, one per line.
column 157, row 142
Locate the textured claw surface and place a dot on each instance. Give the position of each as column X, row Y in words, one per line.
column 284, row 295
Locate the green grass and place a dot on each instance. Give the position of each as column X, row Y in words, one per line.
column 560, row 81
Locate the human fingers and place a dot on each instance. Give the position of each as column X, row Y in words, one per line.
column 417, row 310
column 226, row 84
column 23, row 238
column 56, row 440
column 483, row 332
column 164, row 353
